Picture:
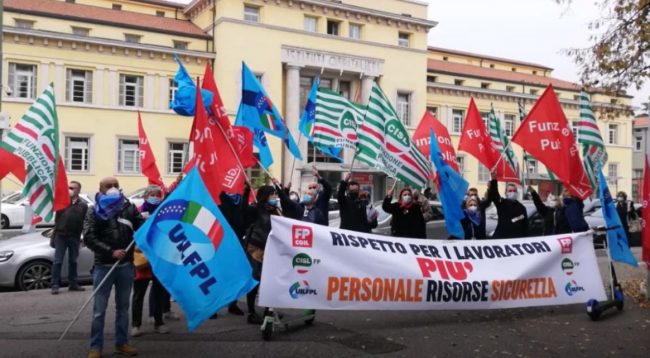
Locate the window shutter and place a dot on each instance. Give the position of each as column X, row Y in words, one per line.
column 12, row 79
column 88, row 89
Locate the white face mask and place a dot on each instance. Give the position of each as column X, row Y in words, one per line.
column 552, row 203
column 511, row 195
column 472, row 208
column 71, row 192
column 620, row 198
column 407, row 199
column 113, row 192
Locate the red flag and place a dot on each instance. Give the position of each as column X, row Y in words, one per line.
column 546, row 135
column 242, row 138
column 217, row 110
column 10, row 163
column 147, row 160
column 61, row 194
column 645, row 215
column 476, row 140
column 422, row 136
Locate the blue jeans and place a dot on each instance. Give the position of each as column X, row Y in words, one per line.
column 122, row 278
column 61, row 244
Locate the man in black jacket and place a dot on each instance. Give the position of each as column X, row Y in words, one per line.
column 555, row 220
column 352, row 210
column 513, row 218
column 68, row 225
column 323, row 191
column 108, row 232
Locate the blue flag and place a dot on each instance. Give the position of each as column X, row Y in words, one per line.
column 256, row 111
column 307, row 120
column 194, row 252
column 259, row 141
column 451, row 190
column 185, row 96
column 619, row 250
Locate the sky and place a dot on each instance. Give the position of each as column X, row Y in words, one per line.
column 534, row 31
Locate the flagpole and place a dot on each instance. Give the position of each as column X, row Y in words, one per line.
column 293, row 165
column 501, row 156
column 76, row 317
column 232, row 149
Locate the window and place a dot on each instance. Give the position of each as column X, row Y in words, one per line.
column 576, row 97
column 457, row 120
column 316, row 156
column 345, row 89
column 460, row 161
column 79, row 86
column 483, row 173
column 310, row 24
column 486, row 119
column 251, row 13
column 403, row 39
column 332, row 27
column 534, row 72
column 432, row 79
column 458, row 82
column 172, row 90
column 638, row 143
column 77, row 154
column 510, row 88
column 485, row 85
column 181, row 45
column 404, row 108
column 433, row 111
column 612, row 134
column 508, row 124
column 613, row 101
column 533, row 91
column 24, row 24
column 354, row 31
column 132, row 38
column 128, row 156
column 612, row 173
column 445, row 58
column 80, row 31
column 160, row 13
column 117, row 7
column 638, row 174
column 177, row 156
column 131, row 90
column 22, row 80
column 491, row 65
column 514, row 69
column 574, row 129
column 532, row 166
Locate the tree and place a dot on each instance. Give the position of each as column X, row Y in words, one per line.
column 620, row 55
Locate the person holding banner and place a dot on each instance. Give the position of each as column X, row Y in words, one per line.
column 513, row 218
column 407, row 220
column 108, row 232
column 352, row 210
column 259, row 217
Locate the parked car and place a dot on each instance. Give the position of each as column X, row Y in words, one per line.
column 596, row 221
column 26, row 262
column 13, row 210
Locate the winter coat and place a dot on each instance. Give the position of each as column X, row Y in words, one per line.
column 323, row 200
column 473, row 231
column 555, row 220
column 406, row 222
column 298, row 211
column 513, row 218
column 69, row 222
column 352, row 211
column 234, row 213
column 574, row 212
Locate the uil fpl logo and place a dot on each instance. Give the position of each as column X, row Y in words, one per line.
column 572, row 288
column 300, row 288
column 302, row 236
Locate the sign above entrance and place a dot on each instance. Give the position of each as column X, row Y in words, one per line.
column 331, row 60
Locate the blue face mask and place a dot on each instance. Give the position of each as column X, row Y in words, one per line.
column 235, row 198
column 273, row 202
column 154, row 200
column 305, row 199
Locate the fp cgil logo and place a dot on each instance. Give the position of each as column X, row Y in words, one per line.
column 302, row 236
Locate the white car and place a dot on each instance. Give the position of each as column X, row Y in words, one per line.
column 13, row 210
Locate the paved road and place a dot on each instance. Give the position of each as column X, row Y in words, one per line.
column 31, row 322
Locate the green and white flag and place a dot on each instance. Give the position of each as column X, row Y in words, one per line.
column 35, row 138
column 336, row 120
column 502, row 144
column 384, row 143
column 594, row 155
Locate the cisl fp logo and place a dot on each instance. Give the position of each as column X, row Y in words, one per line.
column 397, row 139
column 566, row 244
column 568, row 266
column 303, row 262
column 302, row 236
column 348, row 126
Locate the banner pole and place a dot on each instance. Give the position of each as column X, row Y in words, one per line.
column 76, row 317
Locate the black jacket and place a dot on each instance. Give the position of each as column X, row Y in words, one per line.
column 513, row 219
column 353, row 211
column 555, row 220
column 69, row 222
column 298, row 211
column 405, row 222
column 323, row 200
column 234, row 213
column 105, row 236
column 625, row 213
column 259, row 223
column 476, row 231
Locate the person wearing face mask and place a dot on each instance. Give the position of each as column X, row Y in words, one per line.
column 108, row 232
column 294, row 196
column 259, row 227
column 513, row 218
column 553, row 213
column 427, row 212
column 153, row 196
column 474, row 221
column 625, row 212
column 68, row 224
column 407, row 219
column 305, row 209
column 371, row 213
column 323, row 192
column 352, row 209
column 574, row 212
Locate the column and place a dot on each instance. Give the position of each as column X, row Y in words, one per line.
column 113, row 87
column 366, row 87
column 291, row 117
column 98, row 84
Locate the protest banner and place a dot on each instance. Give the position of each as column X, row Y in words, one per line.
column 309, row 266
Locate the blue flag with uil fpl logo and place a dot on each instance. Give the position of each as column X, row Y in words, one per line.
column 619, row 250
column 194, row 252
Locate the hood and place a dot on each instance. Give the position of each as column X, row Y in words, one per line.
column 25, row 242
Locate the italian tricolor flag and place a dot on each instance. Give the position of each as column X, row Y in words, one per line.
column 203, row 219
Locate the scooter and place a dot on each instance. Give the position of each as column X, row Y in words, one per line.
column 595, row 308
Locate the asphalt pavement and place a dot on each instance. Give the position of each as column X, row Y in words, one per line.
column 31, row 322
